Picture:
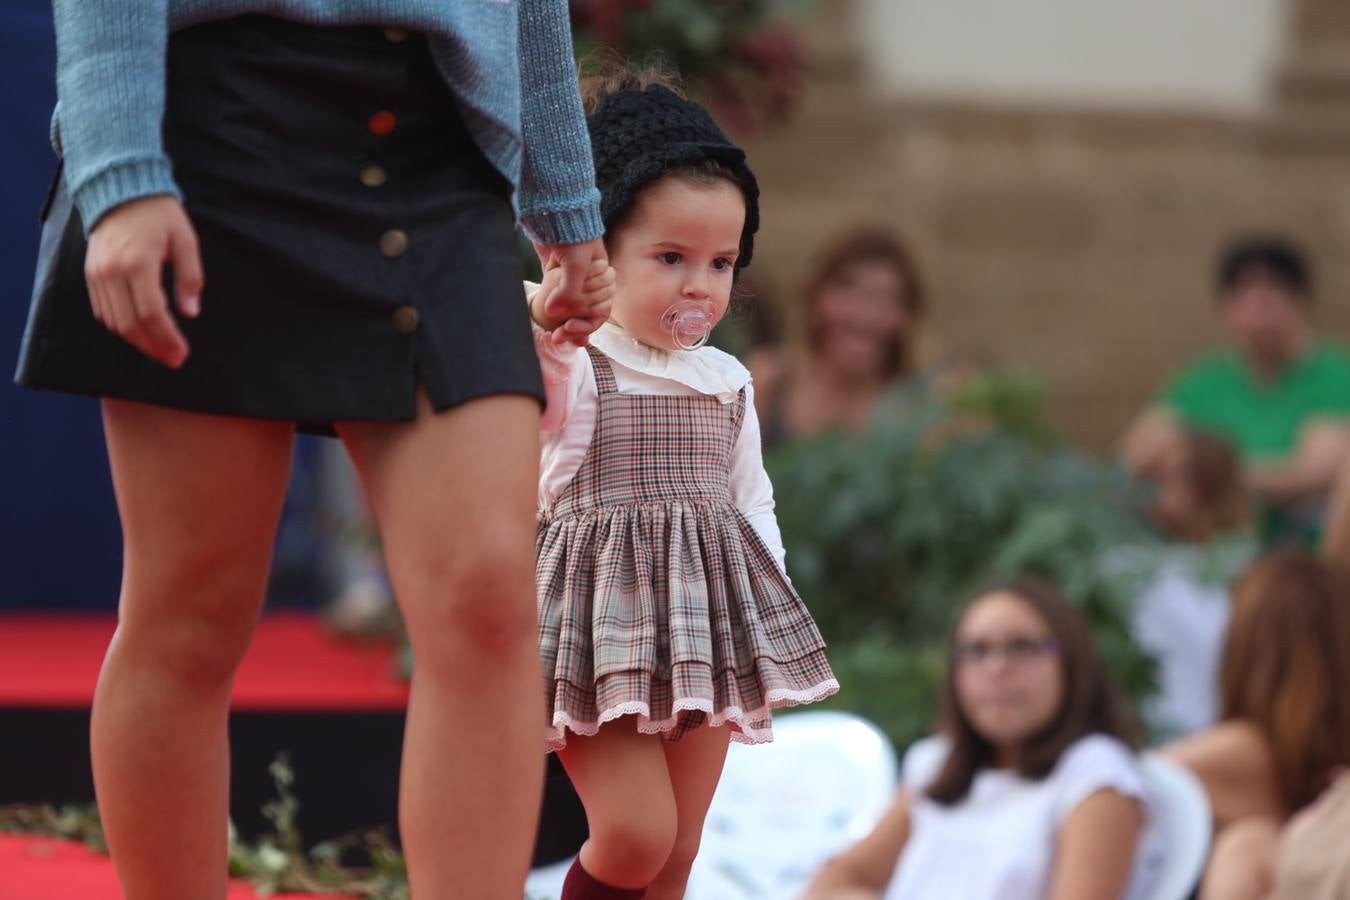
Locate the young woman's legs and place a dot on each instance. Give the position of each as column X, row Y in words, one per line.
column 1242, row 866
column 454, row 496
column 695, row 765
column 623, row 782
column 199, row 498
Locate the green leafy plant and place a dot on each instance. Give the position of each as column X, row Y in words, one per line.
column 742, row 54
column 889, row 532
column 71, row 822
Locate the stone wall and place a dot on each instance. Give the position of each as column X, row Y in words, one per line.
column 1076, row 243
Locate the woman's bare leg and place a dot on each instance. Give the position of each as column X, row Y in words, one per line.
column 454, row 495
column 199, row 498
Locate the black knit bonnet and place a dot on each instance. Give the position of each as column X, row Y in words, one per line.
column 639, row 136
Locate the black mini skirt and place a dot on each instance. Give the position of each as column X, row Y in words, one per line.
column 356, row 243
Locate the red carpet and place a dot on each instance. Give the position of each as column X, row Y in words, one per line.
column 36, row 869
column 294, row 663
column 51, row 662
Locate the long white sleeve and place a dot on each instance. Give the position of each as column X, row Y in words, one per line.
column 564, row 368
column 751, row 490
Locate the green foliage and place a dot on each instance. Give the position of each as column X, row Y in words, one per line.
column 887, row 681
column 696, row 36
column 72, row 822
column 890, row 532
column 742, row 54
column 279, row 862
column 276, row 863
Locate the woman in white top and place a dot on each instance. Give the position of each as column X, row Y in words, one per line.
column 1030, row 791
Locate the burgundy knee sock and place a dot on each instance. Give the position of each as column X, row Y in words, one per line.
column 581, row 885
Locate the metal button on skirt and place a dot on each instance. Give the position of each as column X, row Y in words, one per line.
column 356, row 243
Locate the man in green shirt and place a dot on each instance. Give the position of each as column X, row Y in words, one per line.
column 1278, row 394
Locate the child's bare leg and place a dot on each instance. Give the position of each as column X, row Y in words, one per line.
column 199, row 498
column 623, row 783
column 695, row 765
column 454, row 495
column 1242, row 866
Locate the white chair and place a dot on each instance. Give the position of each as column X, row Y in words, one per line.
column 1176, row 844
column 545, row 882
column 783, row 808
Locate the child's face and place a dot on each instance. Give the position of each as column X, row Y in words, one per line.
column 1175, row 506
column 679, row 243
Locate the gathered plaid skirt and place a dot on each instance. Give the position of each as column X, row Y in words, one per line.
column 657, row 598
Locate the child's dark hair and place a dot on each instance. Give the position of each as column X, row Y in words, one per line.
column 642, row 112
column 1275, row 257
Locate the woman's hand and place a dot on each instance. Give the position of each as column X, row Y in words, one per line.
column 574, row 319
column 124, row 267
column 566, row 310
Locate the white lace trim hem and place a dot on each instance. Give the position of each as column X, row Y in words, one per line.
column 740, row 720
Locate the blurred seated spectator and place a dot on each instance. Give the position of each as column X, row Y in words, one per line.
column 1284, row 727
column 1203, row 513
column 1278, row 393
column 1031, row 790
column 862, row 307
column 1313, row 863
column 1336, row 529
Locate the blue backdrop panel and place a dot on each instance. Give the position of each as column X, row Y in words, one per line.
column 59, row 543
column 60, row 547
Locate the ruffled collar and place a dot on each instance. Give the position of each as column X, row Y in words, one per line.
column 706, row 370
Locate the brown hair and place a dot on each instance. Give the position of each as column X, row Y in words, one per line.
column 1286, row 667
column 1091, row 705
column 868, row 243
column 605, row 72
column 1213, row 470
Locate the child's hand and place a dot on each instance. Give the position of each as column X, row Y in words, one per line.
column 574, row 320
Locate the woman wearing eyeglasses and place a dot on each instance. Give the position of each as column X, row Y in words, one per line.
column 1030, row 790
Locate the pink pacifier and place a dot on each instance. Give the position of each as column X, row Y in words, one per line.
column 689, row 324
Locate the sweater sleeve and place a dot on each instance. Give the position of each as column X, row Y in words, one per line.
column 558, row 200
column 110, row 70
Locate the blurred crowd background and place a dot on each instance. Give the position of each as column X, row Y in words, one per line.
column 1054, row 287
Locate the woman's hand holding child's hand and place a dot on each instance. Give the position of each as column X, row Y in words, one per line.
column 574, row 319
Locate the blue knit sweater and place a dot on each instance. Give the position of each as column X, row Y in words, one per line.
column 507, row 62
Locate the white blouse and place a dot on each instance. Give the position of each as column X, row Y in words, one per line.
column 998, row 843
column 568, row 422
column 1181, row 621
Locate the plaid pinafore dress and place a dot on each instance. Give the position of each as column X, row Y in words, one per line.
column 657, row 598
